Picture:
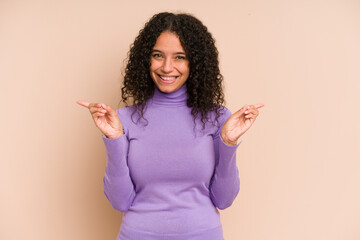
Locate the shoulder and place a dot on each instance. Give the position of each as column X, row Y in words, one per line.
column 219, row 116
column 125, row 111
column 125, row 114
column 224, row 114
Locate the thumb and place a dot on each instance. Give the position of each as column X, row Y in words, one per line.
column 241, row 111
column 110, row 110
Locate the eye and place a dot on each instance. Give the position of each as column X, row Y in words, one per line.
column 180, row 57
column 156, row 55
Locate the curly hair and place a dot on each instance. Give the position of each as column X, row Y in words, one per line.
column 204, row 84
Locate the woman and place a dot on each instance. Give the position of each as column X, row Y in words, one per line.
column 171, row 154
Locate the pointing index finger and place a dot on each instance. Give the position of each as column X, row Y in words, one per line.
column 83, row 103
column 259, row 105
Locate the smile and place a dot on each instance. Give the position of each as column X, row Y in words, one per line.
column 168, row 79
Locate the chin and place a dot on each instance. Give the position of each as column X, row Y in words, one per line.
column 167, row 89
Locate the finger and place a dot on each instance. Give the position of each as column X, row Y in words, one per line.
column 250, row 115
column 110, row 110
column 103, row 105
column 96, row 109
column 98, row 105
column 253, row 111
column 107, row 109
column 98, row 114
column 259, row 105
column 249, row 107
column 83, row 103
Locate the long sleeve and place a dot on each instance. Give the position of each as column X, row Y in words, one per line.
column 118, row 186
column 225, row 183
column 171, row 164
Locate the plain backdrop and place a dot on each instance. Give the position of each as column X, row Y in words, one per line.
column 299, row 163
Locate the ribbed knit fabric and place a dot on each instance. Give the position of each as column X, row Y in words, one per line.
column 168, row 177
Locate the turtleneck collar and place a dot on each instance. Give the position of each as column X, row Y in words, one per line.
column 177, row 98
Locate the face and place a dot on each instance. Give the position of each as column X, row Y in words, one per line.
column 169, row 67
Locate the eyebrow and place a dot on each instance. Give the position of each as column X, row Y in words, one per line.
column 155, row 50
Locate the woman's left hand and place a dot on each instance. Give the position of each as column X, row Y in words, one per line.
column 238, row 123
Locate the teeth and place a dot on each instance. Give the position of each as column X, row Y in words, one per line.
column 167, row 78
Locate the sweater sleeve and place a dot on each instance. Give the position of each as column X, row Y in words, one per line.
column 225, row 183
column 118, row 186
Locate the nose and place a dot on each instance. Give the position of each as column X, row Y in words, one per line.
column 167, row 66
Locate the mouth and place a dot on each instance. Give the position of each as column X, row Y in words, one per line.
column 167, row 79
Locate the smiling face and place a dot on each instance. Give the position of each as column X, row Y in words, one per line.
column 169, row 67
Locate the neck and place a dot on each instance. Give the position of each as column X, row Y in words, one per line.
column 176, row 98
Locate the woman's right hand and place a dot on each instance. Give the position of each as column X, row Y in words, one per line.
column 105, row 118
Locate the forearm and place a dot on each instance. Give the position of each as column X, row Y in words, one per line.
column 118, row 186
column 225, row 183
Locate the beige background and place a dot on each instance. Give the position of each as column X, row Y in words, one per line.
column 299, row 164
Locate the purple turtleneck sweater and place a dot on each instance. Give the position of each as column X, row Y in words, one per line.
column 168, row 177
